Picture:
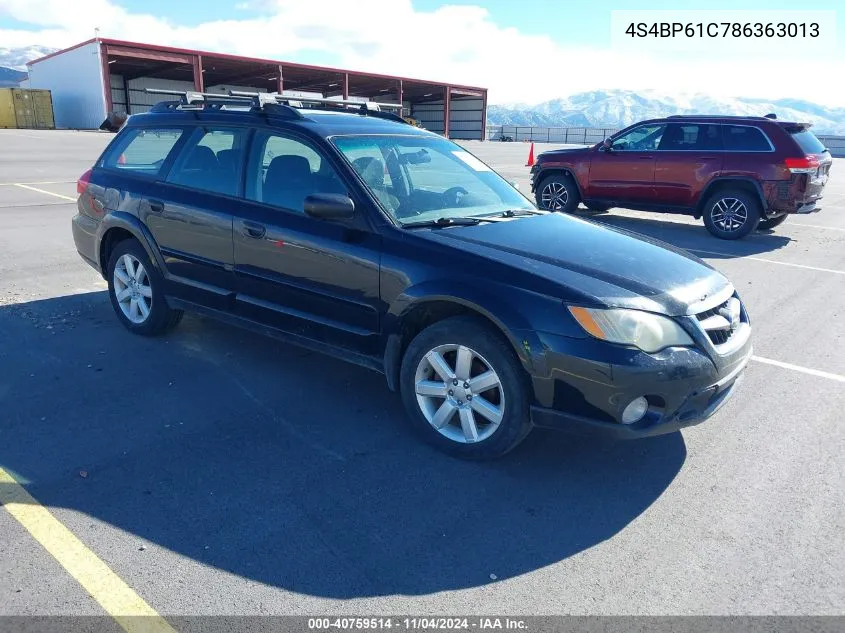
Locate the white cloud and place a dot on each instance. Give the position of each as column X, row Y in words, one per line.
column 460, row 44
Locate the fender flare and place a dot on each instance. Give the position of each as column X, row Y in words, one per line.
column 544, row 173
column 516, row 330
column 131, row 224
column 719, row 180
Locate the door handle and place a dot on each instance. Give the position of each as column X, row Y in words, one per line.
column 707, row 158
column 253, row 229
column 646, row 157
column 156, row 206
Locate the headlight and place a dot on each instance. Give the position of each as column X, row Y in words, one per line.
column 650, row 332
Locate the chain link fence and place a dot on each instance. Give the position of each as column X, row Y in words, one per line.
column 592, row 135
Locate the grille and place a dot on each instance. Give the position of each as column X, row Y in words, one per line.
column 717, row 322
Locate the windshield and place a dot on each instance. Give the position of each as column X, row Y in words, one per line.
column 418, row 178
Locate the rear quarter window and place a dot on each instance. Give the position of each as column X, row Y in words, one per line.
column 143, row 150
column 807, row 141
column 745, row 138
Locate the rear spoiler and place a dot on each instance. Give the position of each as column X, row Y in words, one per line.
column 796, row 126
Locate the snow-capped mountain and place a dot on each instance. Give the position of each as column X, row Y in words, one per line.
column 13, row 62
column 618, row 108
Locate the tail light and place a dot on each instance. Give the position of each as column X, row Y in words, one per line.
column 82, row 183
column 804, row 165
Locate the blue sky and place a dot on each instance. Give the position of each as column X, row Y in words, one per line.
column 493, row 43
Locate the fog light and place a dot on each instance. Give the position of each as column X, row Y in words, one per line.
column 635, row 411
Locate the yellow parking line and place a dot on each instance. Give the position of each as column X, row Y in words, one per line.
column 49, row 193
column 128, row 609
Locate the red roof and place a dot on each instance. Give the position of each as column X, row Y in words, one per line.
column 258, row 60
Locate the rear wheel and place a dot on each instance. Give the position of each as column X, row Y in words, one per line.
column 558, row 192
column 136, row 291
column 770, row 223
column 731, row 214
column 464, row 389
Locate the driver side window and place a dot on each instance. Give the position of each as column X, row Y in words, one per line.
column 283, row 171
column 644, row 138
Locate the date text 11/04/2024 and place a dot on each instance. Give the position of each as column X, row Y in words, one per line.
column 724, row 29
column 417, row 623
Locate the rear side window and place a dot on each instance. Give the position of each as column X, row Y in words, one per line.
column 211, row 161
column 691, row 136
column 744, row 138
column 143, row 150
column 808, row 142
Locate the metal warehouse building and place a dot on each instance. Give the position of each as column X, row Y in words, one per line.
column 99, row 76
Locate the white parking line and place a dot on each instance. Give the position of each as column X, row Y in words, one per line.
column 50, row 182
column 803, row 370
column 768, row 261
column 49, row 193
column 817, row 226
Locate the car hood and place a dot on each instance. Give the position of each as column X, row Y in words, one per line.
column 567, row 151
column 591, row 263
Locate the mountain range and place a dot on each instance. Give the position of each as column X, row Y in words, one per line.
column 13, row 63
column 618, row 108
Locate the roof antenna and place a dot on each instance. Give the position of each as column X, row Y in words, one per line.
column 772, row 116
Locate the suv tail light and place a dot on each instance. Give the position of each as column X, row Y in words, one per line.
column 82, row 183
column 805, row 165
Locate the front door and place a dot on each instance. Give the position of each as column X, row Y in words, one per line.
column 625, row 172
column 313, row 278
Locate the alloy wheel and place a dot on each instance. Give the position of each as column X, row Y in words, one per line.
column 132, row 289
column 729, row 214
column 554, row 196
column 459, row 393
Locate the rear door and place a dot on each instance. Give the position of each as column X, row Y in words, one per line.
column 313, row 278
column 688, row 157
column 625, row 172
column 191, row 215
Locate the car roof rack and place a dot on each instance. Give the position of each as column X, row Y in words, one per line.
column 365, row 108
column 285, row 106
column 716, row 116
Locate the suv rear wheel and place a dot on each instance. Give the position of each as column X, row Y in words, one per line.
column 770, row 223
column 136, row 291
column 558, row 192
column 464, row 389
column 731, row 214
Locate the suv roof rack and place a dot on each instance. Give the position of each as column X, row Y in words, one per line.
column 270, row 102
column 717, row 116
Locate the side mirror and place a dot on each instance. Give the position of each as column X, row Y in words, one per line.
column 329, row 206
column 606, row 145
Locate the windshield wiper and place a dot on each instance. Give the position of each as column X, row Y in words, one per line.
column 450, row 221
column 512, row 213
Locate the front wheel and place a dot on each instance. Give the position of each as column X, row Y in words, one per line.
column 770, row 223
column 731, row 214
column 558, row 192
column 464, row 389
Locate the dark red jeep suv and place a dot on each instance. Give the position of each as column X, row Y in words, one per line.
column 737, row 173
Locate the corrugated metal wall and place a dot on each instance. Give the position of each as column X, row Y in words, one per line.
column 76, row 81
column 141, row 101
column 465, row 117
column 429, row 114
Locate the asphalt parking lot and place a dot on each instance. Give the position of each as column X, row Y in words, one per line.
column 218, row 472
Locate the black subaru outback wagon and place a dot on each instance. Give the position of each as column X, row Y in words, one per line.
column 353, row 233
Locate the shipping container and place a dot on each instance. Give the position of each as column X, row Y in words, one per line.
column 24, row 108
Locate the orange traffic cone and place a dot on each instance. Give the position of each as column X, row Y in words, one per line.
column 530, row 162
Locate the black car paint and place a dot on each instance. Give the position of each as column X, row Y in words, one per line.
column 348, row 287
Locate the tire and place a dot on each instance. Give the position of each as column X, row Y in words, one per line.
column 731, row 214
column 148, row 287
column 770, row 223
column 558, row 192
column 506, row 393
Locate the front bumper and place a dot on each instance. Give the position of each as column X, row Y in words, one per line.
column 583, row 386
